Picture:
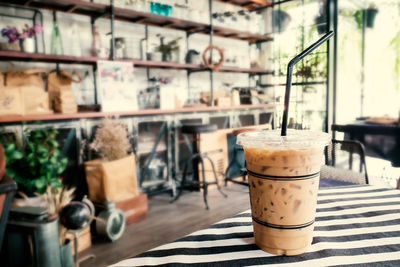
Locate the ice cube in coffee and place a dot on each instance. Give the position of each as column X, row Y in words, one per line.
column 283, row 178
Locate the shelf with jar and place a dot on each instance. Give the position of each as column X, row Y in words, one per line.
column 49, row 58
column 88, row 8
column 144, row 112
column 97, row 10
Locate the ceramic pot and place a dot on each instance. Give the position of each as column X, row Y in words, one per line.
column 28, row 45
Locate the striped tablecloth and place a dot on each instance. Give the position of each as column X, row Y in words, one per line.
column 355, row 225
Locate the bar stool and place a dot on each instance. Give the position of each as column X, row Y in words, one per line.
column 196, row 159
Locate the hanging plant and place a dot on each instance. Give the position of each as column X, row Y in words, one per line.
column 321, row 21
column 371, row 12
column 281, row 20
column 359, row 18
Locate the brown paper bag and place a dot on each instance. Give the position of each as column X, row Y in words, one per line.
column 112, row 180
column 35, row 100
column 2, row 82
column 205, row 97
column 26, row 77
column 61, row 94
column 11, row 102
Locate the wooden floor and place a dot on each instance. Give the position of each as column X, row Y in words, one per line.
column 167, row 222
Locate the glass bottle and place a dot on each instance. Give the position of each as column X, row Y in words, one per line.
column 56, row 41
column 96, row 42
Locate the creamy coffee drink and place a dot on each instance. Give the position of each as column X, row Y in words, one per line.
column 283, row 178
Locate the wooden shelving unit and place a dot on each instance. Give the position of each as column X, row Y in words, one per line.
column 144, row 112
column 111, row 12
column 48, row 58
column 96, row 10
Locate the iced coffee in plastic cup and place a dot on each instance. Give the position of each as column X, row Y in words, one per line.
column 283, row 176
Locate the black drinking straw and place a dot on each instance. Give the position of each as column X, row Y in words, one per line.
column 289, row 76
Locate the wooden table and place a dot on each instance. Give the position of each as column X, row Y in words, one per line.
column 358, row 224
column 380, row 140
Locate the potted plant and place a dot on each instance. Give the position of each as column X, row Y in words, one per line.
column 112, row 177
column 36, row 163
column 281, row 20
column 169, row 49
column 321, row 21
column 25, row 38
column 312, row 68
column 13, row 36
column 371, row 12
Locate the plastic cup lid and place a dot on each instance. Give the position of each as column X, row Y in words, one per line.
column 295, row 139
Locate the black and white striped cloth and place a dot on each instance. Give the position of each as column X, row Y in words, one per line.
column 355, row 225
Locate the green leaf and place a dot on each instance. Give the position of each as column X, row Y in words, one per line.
column 42, row 149
column 16, row 154
column 56, row 153
column 9, row 148
column 31, row 145
column 61, row 169
column 42, row 160
column 30, row 157
column 37, row 134
column 53, row 160
column 40, row 184
column 55, row 183
column 64, row 161
column 53, row 143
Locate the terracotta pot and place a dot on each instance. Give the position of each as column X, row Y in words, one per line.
column 2, row 162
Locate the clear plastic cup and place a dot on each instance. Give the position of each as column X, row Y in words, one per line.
column 283, row 174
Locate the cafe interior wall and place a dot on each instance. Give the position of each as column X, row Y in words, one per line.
column 77, row 38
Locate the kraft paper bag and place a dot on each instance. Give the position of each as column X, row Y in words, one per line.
column 112, row 180
column 11, row 102
column 61, row 94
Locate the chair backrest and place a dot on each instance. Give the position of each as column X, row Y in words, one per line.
column 347, row 154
